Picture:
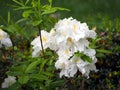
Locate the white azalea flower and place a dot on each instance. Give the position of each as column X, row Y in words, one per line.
column 91, row 34
column 90, row 52
column 4, row 39
column 65, row 53
column 3, row 34
column 66, row 38
column 8, row 81
column 76, row 64
column 87, row 68
column 37, row 44
column 83, row 66
column 53, row 45
column 82, row 44
column 63, row 64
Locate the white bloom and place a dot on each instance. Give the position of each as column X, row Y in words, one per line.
column 83, row 66
column 76, row 64
column 62, row 64
column 86, row 69
column 91, row 34
column 3, row 34
column 4, row 39
column 90, row 52
column 37, row 44
column 8, row 81
column 66, row 38
column 53, row 45
column 72, row 28
column 6, row 42
column 82, row 44
column 65, row 52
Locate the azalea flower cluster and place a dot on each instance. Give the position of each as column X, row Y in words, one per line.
column 4, row 39
column 8, row 81
column 67, row 38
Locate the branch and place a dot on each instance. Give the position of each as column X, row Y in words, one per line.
column 43, row 54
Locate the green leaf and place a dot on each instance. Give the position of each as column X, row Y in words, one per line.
column 48, row 73
column 103, row 51
column 22, row 8
column 21, row 20
column 34, row 3
column 19, row 3
column 35, row 23
column 39, row 3
column 8, row 17
column 50, row 1
column 27, row 1
column 26, row 13
column 86, row 58
column 23, row 79
column 39, row 77
column 100, row 55
column 57, row 83
column 59, row 8
column 78, row 54
column 32, row 66
column 49, row 11
column 42, row 64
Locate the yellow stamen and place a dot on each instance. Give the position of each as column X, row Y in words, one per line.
column 67, row 51
column 44, row 39
column 74, row 27
column 70, row 40
column 76, row 60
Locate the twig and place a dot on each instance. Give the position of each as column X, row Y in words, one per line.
column 43, row 54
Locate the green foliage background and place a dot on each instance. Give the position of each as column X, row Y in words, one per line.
column 102, row 15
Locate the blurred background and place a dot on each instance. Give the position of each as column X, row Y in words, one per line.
column 102, row 16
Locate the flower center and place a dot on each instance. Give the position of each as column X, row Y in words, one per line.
column 67, row 51
column 70, row 40
column 76, row 60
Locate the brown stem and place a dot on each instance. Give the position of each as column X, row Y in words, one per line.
column 43, row 54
